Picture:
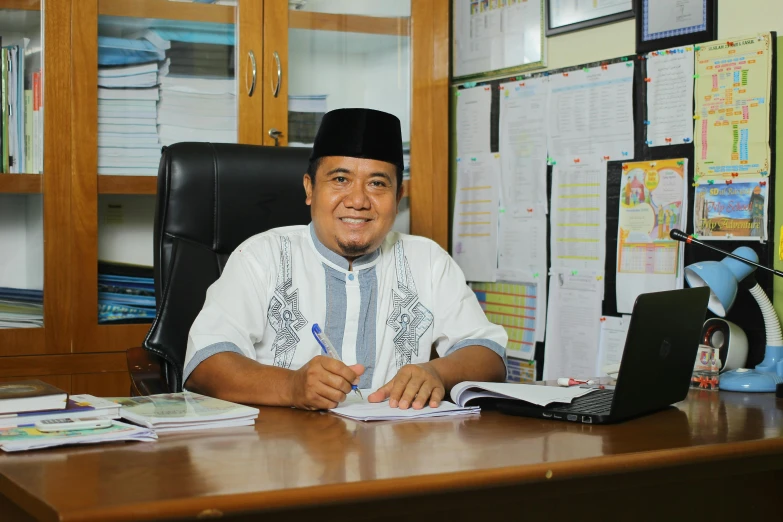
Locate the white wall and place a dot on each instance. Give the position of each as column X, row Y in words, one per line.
column 735, row 18
column 21, row 237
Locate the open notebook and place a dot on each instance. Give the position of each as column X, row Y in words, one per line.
column 463, row 393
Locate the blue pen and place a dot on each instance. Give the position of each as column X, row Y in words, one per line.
column 328, row 349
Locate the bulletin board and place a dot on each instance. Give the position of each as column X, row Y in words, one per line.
column 745, row 311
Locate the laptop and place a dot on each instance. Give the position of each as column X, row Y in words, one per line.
column 656, row 367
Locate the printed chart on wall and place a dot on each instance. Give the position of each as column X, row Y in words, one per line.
column 591, row 114
column 732, row 108
column 653, row 200
column 734, row 211
column 513, row 306
column 669, row 97
column 578, row 216
column 475, row 229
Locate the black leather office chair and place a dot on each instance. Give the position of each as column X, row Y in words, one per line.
column 211, row 197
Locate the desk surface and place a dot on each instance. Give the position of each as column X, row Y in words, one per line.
column 297, row 459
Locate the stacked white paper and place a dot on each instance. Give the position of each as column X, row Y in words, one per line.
column 193, row 108
column 362, row 410
column 127, row 120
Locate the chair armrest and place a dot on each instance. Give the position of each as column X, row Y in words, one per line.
column 146, row 372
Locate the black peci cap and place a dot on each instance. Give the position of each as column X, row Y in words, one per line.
column 359, row 133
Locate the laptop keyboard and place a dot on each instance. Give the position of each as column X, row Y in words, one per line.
column 598, row 402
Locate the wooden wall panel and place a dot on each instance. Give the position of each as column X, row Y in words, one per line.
column 429, row 185
column 251, row 40
column 275, row 40
column 62, row 364
column 108, row 384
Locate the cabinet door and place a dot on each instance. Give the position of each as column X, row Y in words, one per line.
column 23, row 274
column 147, row 74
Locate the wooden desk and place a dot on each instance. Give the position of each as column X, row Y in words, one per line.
column 705, row 459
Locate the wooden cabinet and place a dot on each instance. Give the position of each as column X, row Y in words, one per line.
column 76, row 184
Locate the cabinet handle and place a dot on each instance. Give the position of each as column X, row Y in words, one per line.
column 250, row 89
column 275, row 135
column 276, row 86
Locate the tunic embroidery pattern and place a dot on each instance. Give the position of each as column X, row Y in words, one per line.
column 283, row 313
column 409, row 318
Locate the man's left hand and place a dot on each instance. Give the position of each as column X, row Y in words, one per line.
column 414, row 385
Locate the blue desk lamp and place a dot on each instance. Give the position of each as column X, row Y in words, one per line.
column 723, row 278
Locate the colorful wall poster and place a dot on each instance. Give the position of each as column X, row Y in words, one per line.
column 736, row 210
column 732, row 97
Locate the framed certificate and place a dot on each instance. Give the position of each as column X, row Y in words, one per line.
column 662, row 24
column 564, row 16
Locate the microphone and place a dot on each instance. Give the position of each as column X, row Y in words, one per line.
column 679, row 235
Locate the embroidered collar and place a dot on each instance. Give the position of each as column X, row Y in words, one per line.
column 338, row 261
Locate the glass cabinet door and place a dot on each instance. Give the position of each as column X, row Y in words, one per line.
column 349, row 53
column 21, row 166
column 166, row 74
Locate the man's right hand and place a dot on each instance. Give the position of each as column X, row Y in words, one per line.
column 323, row 383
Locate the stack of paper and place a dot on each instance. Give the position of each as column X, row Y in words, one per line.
column 197, row 86
column 127, row 133
column 363, row 410
column 28, row 438
column 21, row 308
column 184, row 411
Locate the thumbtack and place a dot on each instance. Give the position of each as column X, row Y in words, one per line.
column 653, row 164
column 711, row 181
column 695, row 235
column 604, row 67
column 764, row 173
column 698, row 48
column 763, row 183
column 598, row 278
column 686, row 140
column 696, row 76
column 459, row 159
column 625, row 166
column 574, row 272
column 696, row 178
column 648, row 80
column 472, row 159
column 729, row 236
column 734, row 174
column 648, row 142
column 586, row 69
column 624, row 59
column 502, row 210
column 603, row 319
column 730, row 44
column 522, row 84
column 668, row 140
column 696, row 117
column 629, row 64
column 530, row 210
column 565, row 74
column 535, row 275
column 728, row 182
column 554, row 162
column 577, row 160
column 694, row 184
column 487, row 88
column 646, row 122
column 606, row 158
column 625, row 153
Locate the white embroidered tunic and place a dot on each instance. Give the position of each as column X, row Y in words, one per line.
column 392, row 309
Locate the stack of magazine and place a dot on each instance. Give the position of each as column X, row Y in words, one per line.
column 169, row 412
column 19, row 432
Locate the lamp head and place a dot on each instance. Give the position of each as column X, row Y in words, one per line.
column 722, row 277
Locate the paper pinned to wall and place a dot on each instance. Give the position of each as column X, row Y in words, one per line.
column 653, row 200
column 523, row 121
column 578, row 216
column 670, row 97
column 737, row 211
column 614, row 331
column 473, row 120
column 573, row 325
column 732, row 96
column 513, row 306
column 475, row 228
column 591, row 114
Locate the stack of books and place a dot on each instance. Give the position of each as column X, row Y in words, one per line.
column 127, row 120
column 184, row 411
column 21, row 308
column 23, row 404
column 21, row 143
column 126, row 293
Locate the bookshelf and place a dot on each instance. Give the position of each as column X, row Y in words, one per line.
column 72, row 350
column 21, row 183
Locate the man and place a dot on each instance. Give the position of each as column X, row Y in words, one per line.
column 384, row 299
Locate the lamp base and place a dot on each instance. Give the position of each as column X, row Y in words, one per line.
column 745, row 380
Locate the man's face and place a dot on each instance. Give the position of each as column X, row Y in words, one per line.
column 353, row 203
